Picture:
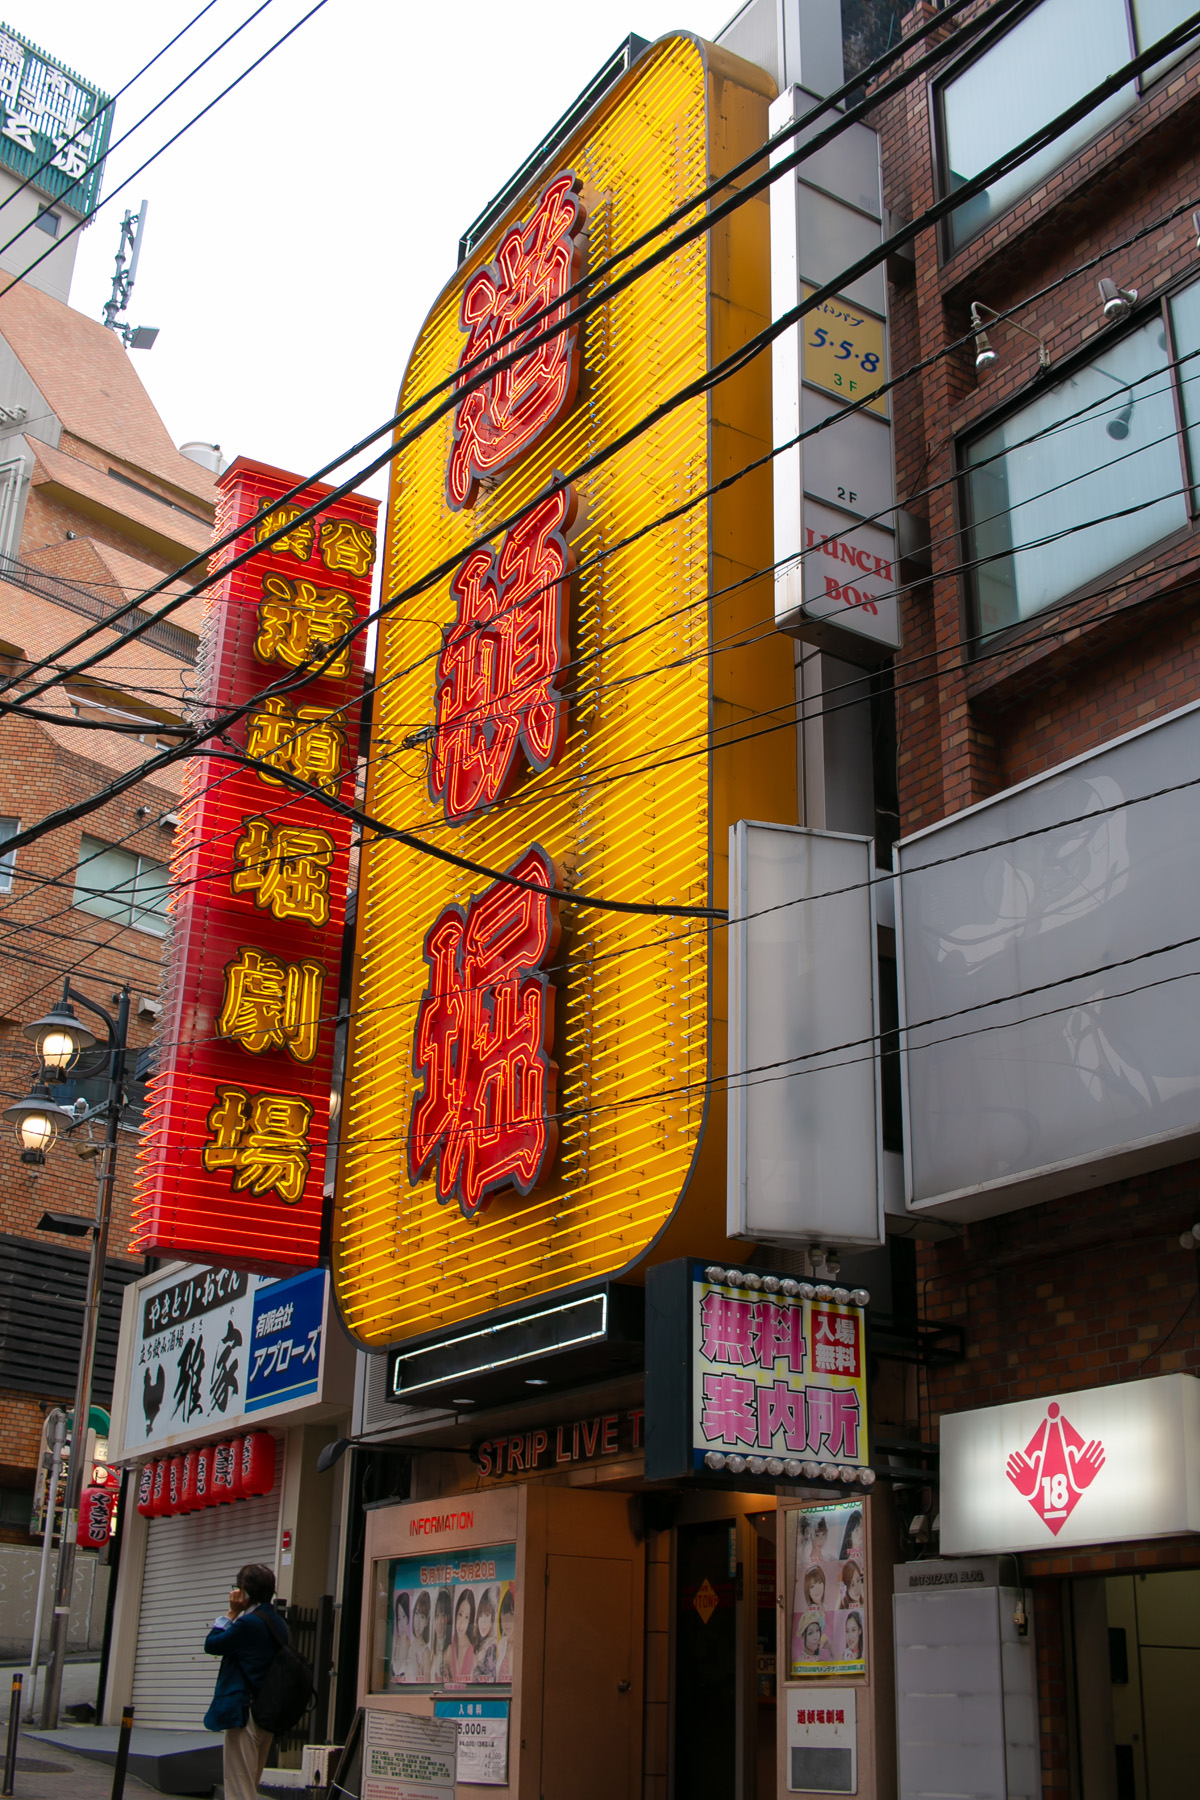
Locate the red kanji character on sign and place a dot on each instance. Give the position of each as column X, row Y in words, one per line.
column 781, row 1335
column 495, row 683
column 729, row 1329
column 729, row 1413
column 833, row 1415
column 535, row 265
column 781, row 1408
column 484, row 1032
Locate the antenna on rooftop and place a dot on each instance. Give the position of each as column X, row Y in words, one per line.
column 134, row 337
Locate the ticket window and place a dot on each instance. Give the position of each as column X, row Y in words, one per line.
column 519, row 1613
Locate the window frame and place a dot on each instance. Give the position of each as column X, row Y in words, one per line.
column 138, row 857
column 1020, row 9
column 978, row 644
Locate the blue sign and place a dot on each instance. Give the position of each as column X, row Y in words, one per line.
column 285, row 1340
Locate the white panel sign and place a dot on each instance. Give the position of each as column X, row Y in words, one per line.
column 822, row 1740
column 805, row 1154
column 408, row 1757
column 1050, row 978
column 1101, row 1466
column 836, row 572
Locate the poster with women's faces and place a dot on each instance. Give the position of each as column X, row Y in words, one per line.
column 829, row 1599
column 447, row 1623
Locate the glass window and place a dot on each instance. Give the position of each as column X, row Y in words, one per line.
column 1050, row 58
column 9, row 827
column 47, row 222
column 1104, row 442
column 1152, row 19
column 116, row 884
column 1185, row 327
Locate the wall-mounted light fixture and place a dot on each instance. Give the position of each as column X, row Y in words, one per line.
column 1118, row 301
column 985, row 356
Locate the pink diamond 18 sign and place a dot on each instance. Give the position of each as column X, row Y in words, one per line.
column 772, row 1376
column 1099, row 1466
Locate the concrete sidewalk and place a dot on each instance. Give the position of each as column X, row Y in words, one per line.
column 47, row 1772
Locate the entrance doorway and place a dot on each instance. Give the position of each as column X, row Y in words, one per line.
column 724, row 1677
column 1137, row 1674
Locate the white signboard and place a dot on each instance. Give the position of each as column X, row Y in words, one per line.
column 1100, row 1466
column 1050, row 976
column 822, row 1740
column 836, row 569
column 482, row 1739
column 804, row 1145
column 211, row 1351
column 408, row 1756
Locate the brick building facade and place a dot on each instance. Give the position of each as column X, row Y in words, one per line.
column 97, row 506
column 1092, row 1288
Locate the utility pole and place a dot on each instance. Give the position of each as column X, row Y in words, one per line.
column 118, row 1034
column 134, row 337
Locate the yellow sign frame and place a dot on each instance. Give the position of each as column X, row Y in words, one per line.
column 675, row 674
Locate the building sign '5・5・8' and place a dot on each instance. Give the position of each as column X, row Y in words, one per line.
column 533, row 1094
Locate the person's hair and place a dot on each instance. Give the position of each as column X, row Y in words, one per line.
column 443, row 1607
column 464, row 1594
column 487, row 1603
column 857, row 1618
column 813, row 1625
column 821, row 1525
column 508, row 1606
column 421, row 1605
column 849, row 1569
column 811, row 1579
column 400, row 1605
column 257, row 1582
column 852, row 1524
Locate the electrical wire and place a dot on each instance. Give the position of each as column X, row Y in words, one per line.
column 48, row 163
column 490, row 363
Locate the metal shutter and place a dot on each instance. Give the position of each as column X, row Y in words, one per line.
column 191, row 1561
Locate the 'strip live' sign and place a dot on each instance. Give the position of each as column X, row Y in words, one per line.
column 233, row 1161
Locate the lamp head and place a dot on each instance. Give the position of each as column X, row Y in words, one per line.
column 37, row 1121
column 1118, row 425
column 60, row 1038
column 1117, row 301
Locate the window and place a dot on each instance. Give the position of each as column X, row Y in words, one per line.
column 48, row 222
column 9, row 827
column 1054, row 54
column 116, row 884
column 1088, row 474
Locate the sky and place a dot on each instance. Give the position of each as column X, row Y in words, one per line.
column 298, row 234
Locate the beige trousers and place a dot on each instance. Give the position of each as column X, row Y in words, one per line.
column 246, row 1752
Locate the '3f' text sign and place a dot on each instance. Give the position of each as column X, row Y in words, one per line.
column 1096, row 1467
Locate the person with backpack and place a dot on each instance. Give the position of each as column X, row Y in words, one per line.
column 263, row 1686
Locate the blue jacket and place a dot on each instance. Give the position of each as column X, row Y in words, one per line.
column 246, row 1648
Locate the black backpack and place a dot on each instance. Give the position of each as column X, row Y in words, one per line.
column 286, row 1691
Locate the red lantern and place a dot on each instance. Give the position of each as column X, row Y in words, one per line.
column 187, row 1496
column 145, row 1492
column 258, row 1462
column 225, row 1472
column 95, row 1517
column 174, row 1484
column 204, row 1475
column 160, row 1496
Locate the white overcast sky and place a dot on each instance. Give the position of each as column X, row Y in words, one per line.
column 298, row 234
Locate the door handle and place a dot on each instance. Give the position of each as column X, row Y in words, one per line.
column 623, row 1687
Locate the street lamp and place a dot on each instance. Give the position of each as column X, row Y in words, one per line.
column 67, row 1046
column 37, row 1120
